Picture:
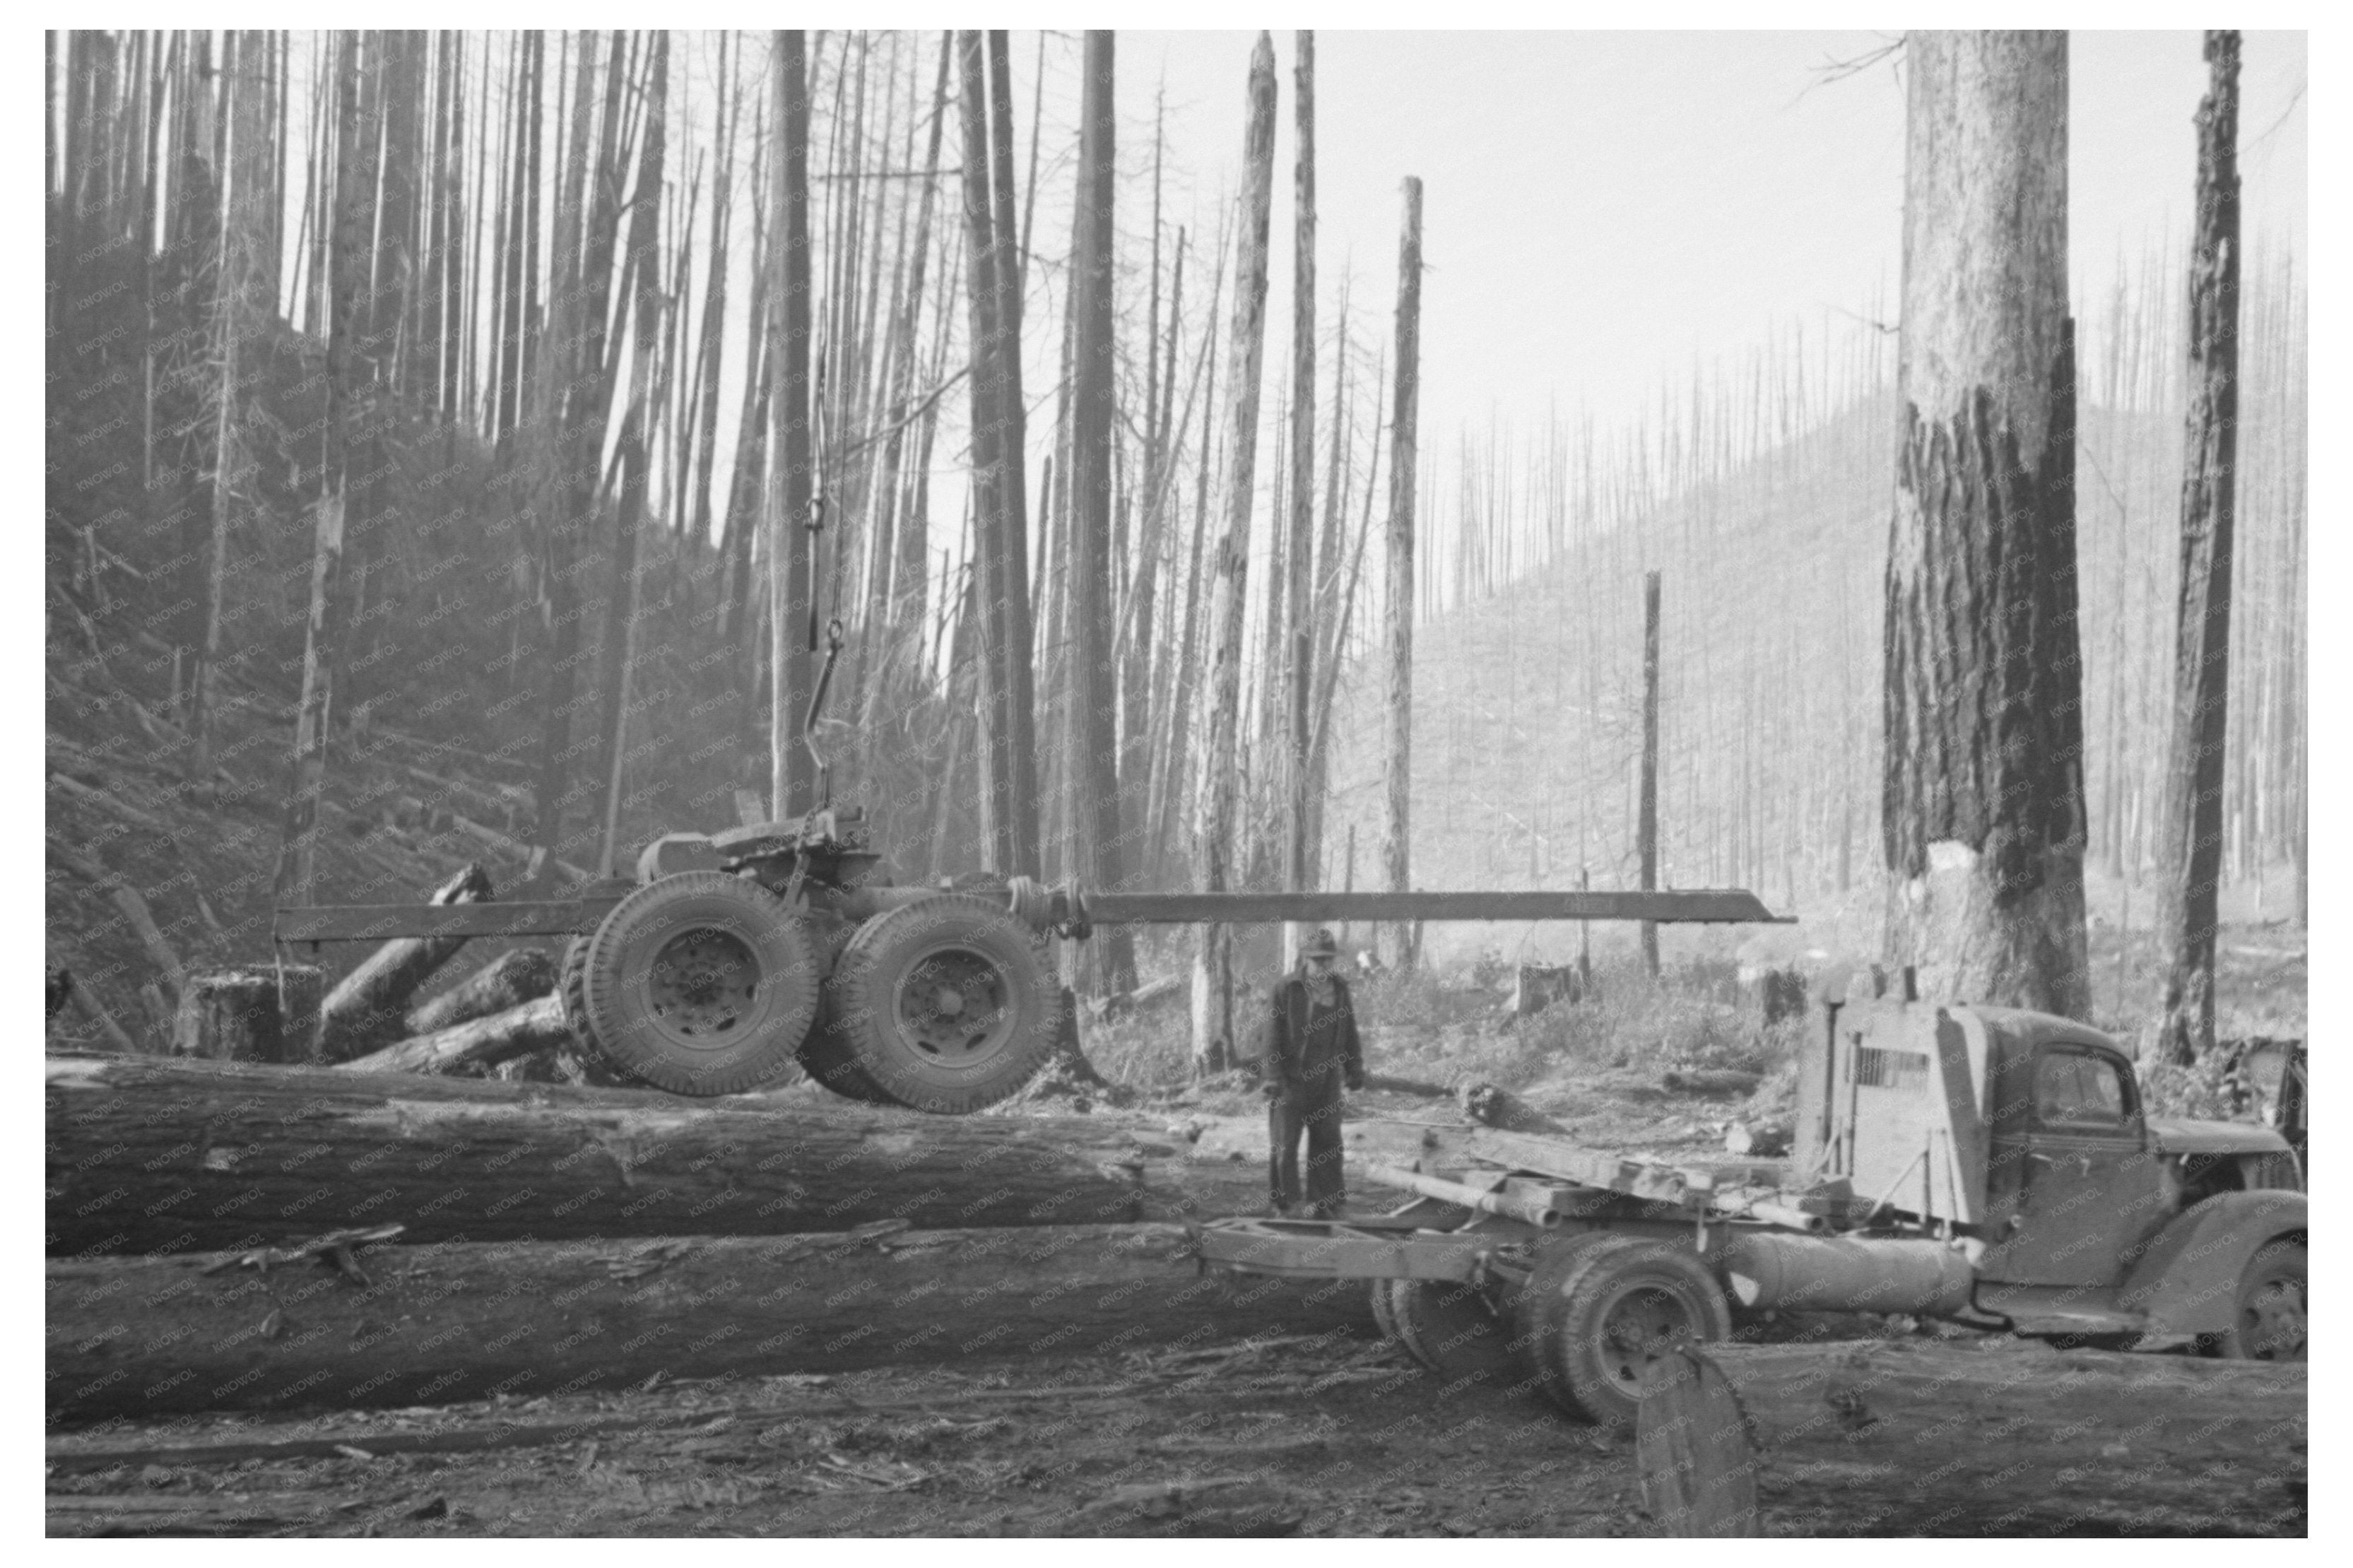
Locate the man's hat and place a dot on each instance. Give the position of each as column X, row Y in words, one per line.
column 1320, row 943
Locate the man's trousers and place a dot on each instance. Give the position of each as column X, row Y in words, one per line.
column 1287, row 1119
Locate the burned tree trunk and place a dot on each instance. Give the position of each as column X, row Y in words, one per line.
column 2192, row 866
column 1299, row 577
column 791, row 591
column 153, row 1154
column 1214, row 809
column 1983, row 784
column 1646, row 826
column 1397, row 841
column 407, row 1325
column 1095, row 855
column 323, row 640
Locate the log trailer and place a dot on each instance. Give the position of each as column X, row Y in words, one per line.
column 730, row 956
column 1986, row 1165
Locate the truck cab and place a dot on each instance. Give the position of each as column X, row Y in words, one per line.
column 2024, row 1139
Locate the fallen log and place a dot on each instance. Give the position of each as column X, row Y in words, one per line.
column 407, row 1325
column 2010, row 1437
column 86, row 1002
column 508, row 981
column 367, row 1007
column 535, row 1026
column 125, row 898
column 149, row 1154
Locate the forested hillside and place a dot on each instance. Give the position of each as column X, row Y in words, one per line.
column 1762, row 498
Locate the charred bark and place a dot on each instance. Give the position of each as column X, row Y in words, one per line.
column 1983, row 787
column 2191, row 870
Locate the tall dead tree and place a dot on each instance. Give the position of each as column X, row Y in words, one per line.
column 790, row 587
column 2201, row 658
column 1095, row 854
column 1982, row 773
column 1397, row 838
column 237, row 314
column 1299, row 656
column 322, row 644
column 1012, row 493
column 644, row 268
column 994, row 582
column 1646, row 828
column 1215, row 795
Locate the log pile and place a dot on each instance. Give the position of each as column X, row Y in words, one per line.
column 365, row 1010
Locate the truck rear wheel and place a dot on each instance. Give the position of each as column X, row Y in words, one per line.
column 700, row 983
column 2268, row 1322
column 1597, row 1312
column 944, row 1003
column 1449, row 1326
column 827, row 1054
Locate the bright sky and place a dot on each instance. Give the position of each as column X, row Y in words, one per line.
column 1599, row 208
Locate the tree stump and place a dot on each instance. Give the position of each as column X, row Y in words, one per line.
column 238, row 1015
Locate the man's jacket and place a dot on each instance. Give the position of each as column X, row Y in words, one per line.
column 1312, row 1050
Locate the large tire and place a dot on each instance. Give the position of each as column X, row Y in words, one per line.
column 2271, row 1311
column 827, row 1054
column 1450, row 1327
column 944, row 1004
column 700, row 983
column 1595, row 1313
column 1383, row 1317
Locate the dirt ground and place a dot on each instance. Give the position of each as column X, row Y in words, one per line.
column 1339, row 1438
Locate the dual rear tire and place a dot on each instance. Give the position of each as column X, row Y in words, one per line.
column 705, row 984
column 1583, row 1328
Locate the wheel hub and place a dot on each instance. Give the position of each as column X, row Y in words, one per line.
column 955, row 1004
column 2274, row 1322
column 704, row 987
column 1639, row 1327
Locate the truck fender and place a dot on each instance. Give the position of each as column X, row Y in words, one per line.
column 2187, row 1276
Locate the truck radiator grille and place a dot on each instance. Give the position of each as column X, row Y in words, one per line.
column 1877, row 1067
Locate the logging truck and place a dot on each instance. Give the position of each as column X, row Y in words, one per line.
column 1985, row 1165
column 729, row 957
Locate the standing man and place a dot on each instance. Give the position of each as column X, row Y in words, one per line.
column 1312, row 1049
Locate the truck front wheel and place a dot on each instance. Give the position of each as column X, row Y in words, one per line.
column 1593, row 1317
column 2269, row 1322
